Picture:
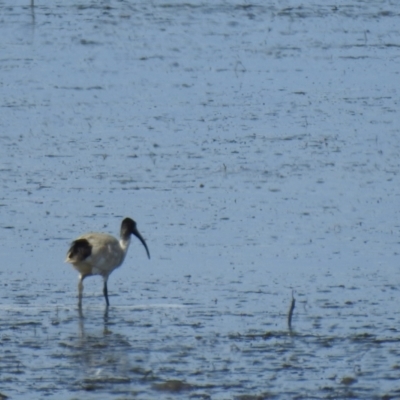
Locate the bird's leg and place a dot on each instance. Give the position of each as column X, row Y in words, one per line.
column 80, row 289
column 105, row 291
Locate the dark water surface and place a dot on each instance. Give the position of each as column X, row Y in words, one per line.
column 257, row 145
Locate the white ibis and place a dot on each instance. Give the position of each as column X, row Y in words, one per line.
column 99, row 254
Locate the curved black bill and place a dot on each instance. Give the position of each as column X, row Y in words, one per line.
column 139, row 236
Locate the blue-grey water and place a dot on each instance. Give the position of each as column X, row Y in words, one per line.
column 256, row 144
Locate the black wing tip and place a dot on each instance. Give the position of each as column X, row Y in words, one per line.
column 80, row 250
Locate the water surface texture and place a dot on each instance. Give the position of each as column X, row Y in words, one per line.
column 257, row 147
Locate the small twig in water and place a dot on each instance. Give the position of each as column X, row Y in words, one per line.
column 290, row 315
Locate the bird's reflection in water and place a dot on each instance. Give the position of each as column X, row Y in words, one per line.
column 33, row 12
column 81, row 322
column 101, row 355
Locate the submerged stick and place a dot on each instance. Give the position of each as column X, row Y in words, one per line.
column 290, row 315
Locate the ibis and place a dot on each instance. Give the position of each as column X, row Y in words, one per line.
column 100, row 254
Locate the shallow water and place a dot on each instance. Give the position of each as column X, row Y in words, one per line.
column 256, row 145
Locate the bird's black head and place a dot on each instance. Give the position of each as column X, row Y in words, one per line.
column 128, row 227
